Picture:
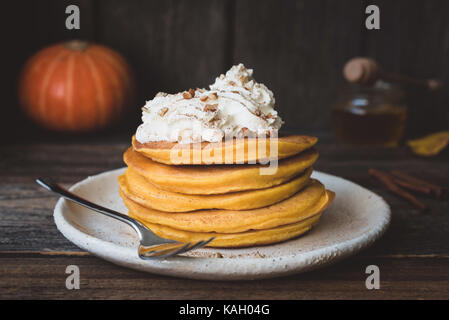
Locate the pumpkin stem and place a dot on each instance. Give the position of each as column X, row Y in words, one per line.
column 77, row 45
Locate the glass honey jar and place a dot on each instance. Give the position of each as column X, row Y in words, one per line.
column 370, row 115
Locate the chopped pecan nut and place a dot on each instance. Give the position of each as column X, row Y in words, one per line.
column 163, row 111
column 187, row 95
column 213, row 96
column 210, row 107
column 204, row 98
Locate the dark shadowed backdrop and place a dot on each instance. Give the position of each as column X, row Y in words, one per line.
column 297, row 48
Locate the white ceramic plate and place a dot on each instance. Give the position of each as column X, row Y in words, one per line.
column 356, row 218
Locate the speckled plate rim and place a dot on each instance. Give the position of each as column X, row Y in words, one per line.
column 207, row 265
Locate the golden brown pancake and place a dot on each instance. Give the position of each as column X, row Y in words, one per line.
column 235, row 240
column 241, row 239
column 137, row 188
column 216, row 179
column 236, row 151
column 302, row 205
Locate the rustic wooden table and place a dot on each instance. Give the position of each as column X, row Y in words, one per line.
column 413, row 256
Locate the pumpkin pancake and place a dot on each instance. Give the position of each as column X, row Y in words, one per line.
column 242, row 239
column 236, row 151
column 137, row 188
column 216, row 179
column 302, row 205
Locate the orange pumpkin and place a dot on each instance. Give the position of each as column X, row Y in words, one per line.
column 75, row 86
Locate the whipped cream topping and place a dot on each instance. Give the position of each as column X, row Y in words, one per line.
column 235, row 106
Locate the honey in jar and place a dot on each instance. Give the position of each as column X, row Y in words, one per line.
column 370, row 115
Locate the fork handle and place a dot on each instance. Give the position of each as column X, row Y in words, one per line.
column 52, row 186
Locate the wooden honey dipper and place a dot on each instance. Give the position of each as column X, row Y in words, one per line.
column 367, row 71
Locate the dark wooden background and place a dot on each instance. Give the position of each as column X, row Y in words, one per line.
column 297, row 48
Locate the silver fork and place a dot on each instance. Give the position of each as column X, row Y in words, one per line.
column 150, row 247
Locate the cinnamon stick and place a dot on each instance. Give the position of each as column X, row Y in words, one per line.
column 413, row 187
column 436, row 190
column 388, row 182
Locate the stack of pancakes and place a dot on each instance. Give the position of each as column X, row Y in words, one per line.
column 189, row 201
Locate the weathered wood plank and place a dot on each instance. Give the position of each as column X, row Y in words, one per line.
column 172, row 45
column 66, row 162
column 414, row 40
column 43, row 277
column 50, row 20
column 21, row 20
column 297, row 49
